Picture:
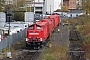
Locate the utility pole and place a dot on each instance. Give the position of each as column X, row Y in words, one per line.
column 34, row 12
column 61, row 19
column 34, row 6
column 50, row 9
column 9, row 18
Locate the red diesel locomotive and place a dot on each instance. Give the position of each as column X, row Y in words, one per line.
column 38, row 32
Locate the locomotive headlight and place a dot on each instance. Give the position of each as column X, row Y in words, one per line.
column 40, row 39
column 26, row 39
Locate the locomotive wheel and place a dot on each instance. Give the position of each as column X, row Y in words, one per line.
column 43, row 43
column 27, row 46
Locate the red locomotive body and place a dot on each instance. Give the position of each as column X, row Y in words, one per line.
column 52, row 22
column 49, row 25
column 38, row 33
column 56, row 18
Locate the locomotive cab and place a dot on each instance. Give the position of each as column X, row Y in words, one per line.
column 35, row 35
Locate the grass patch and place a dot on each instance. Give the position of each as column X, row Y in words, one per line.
column 18, row 44
column 56, row 52
column 83, row 26
column 13, row 48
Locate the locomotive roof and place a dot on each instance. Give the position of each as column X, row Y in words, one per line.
column 46, row 20
column 52, row 16
column 41, row 23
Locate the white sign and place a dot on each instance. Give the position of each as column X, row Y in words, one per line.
column 29, row 17
column 33, row 33
column 2, row 17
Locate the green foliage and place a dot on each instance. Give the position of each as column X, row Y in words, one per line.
column 0, row 8
column 49, row 57
column 86, row 6
column 21, row 3
column 4, row 50
column 54, row 53
column 64, row 8
column 87, row 39
column 18, row 16
column 83, row 26
column 28, row 9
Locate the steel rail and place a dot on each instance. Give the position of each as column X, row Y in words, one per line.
column 24, row 55
column 34, row 55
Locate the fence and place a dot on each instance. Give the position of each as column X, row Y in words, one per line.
column 13, row 38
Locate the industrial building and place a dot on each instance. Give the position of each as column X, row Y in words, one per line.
column 72, row 4
column 45, row 6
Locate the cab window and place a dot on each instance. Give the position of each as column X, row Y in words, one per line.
column 31, row 27
column 38, row 28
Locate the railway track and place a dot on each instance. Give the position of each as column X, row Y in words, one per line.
column 75, row 50
column 27, row 55
column 31, row 54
